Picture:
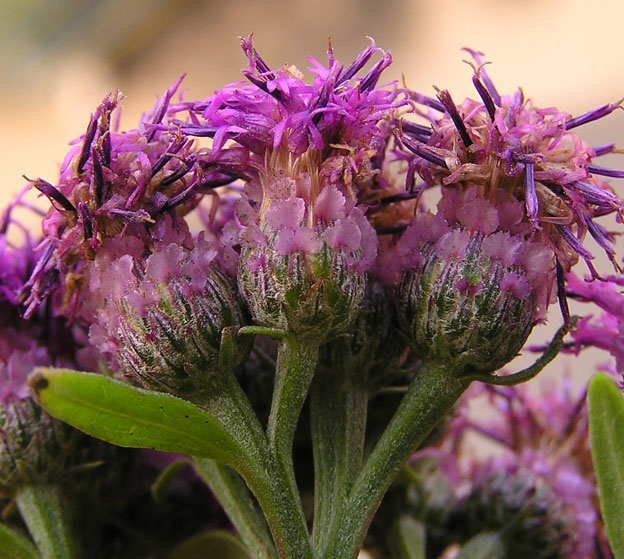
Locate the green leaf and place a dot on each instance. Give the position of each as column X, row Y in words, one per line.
column 223, row 545
column 606, row 429
column 487, row 545
column 132, row 417
column 14, row 545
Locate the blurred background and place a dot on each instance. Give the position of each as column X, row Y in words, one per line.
column 59, row 58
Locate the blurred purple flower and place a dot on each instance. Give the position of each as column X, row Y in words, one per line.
column 544, row 450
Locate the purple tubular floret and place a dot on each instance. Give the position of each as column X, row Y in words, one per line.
column 603, row 149
column 163, row 105
column 256, row 63
column 180, row 171
column 427, row 101
column 485, row 97
column 87, row 223
column 530, row 194
column 593, row 194
column 605, row 171
column 599, row 235
column 478, row 57
column 175, row 146
column 86, row 144
column 574, row 243
column 357, row 64
column 592, row 115
column 370, row 80
column 52, row 193
column 423, row 152
column 414, row 129
column 98, row 176
column 445, row 98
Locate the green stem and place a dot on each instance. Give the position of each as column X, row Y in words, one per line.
column 431, row 395
column 232, row 493
column 338, row 407
column 296, row 364
column 265, row 476
column 41, row 507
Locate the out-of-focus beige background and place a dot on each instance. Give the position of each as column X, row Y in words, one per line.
column 58, row 58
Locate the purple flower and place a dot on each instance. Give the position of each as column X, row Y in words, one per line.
column 504, row 148
column 310, row 152
column 159, row 315
column 117, row 185
column 606, row 331
column 542, row 477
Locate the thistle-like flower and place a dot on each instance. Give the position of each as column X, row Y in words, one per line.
column 471, row 282
column 161, row 316
column 306, row 246
column 117, row 185
column 519, row 191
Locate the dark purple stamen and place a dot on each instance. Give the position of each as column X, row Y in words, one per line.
column 415, row 130
column 180, row 171
column 87, row 223
column 422, row 151
column 445, row 98
column 255, row 60
column 485, row 97
column 356, row 65
column 164, row 105
column 574, row 243
column 261, row 84
column 605, row 171
column 427, row 101
column 594, row 195
column 561, row 294
column 98, row 176
column 86, row 144
column 592, row 115
column 197, row 130
column 410, row 177
column 478, row 56
column 600, row 235
column 603, row 150
column 172, row 150
column 199, row 184
column 52, row 193
column 370, row 80
column 530, row 194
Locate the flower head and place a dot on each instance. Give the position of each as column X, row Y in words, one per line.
column 117, row 185
column 504, row 148
column 539, row 491
column 306, row 244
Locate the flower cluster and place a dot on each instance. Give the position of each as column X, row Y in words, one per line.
column 313, row 230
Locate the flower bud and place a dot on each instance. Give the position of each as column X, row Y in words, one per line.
column 469, row 295
column 303, row 262
column 162, row 318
